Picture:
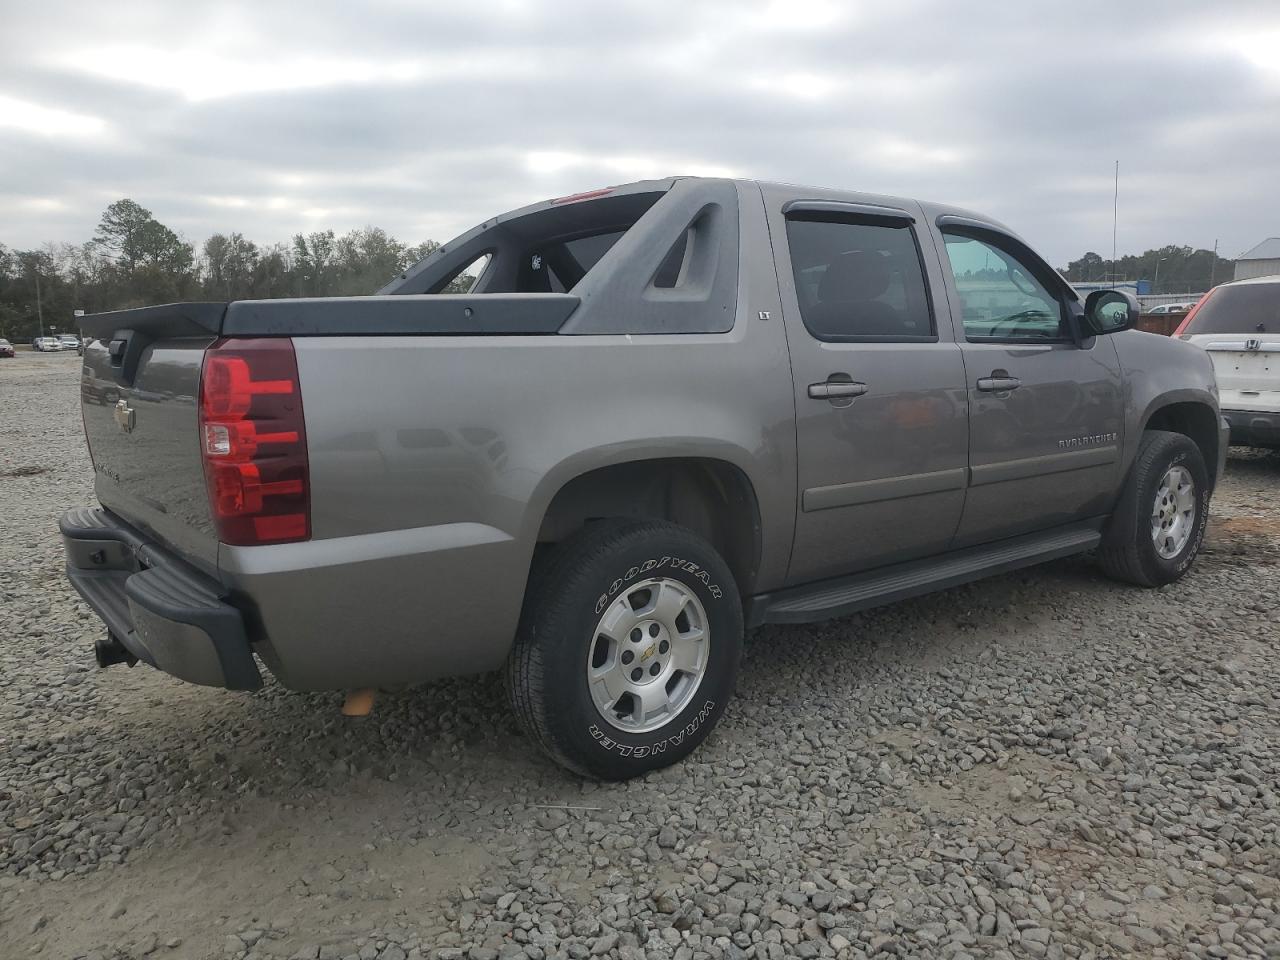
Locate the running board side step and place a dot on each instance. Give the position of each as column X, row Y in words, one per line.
column 845, row 595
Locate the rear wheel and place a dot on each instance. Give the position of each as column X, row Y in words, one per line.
column 1156, row 531
column 628, row 648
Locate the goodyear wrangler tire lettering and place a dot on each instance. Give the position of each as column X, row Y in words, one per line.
column 603, row 577
column 648, row 565
column 658, row 746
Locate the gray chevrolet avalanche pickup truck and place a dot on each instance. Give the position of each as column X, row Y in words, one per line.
column 658, row 415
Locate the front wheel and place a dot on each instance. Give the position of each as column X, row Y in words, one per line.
column 628, row 648
column 1159, row 523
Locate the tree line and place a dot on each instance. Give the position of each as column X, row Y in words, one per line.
column 1171, row 269
column 134, row 259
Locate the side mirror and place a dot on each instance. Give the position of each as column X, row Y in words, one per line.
column 1109, row 311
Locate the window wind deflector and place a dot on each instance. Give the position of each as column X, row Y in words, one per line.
column 968, row 223
column 835, row 209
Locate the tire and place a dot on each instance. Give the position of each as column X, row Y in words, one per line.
column 603, row 581
column 1129, row 550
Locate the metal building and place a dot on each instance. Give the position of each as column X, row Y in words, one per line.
column 1262, row 261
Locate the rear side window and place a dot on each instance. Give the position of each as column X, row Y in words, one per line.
column 1248, row 308
column 859, row 280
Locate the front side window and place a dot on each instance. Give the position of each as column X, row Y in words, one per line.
column 859, row 280
column 1000, row 297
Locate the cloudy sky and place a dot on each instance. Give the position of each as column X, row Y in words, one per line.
column 425, row 118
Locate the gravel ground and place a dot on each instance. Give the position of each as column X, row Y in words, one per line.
column 1045, row 764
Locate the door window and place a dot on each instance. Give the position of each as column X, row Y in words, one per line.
column 859, row 280
column 1000, row 295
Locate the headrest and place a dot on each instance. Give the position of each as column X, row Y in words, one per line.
column 856, row 275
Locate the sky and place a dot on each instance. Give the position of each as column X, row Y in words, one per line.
column 426, row 118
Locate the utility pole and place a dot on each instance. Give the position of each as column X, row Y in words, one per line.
column 1115, row 220
column 39, row 307
column 1213, row 264
column 1155, row 284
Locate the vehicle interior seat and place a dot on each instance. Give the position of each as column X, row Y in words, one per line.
column 848, row 298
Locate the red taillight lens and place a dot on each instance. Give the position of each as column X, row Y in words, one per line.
column 254, row 442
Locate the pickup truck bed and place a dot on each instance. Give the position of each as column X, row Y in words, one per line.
column 662, row 411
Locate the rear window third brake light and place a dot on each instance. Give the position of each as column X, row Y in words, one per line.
column 253, row 442
column 588, row 195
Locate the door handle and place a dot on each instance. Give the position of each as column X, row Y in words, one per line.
column 836, row 389
column 998, row 384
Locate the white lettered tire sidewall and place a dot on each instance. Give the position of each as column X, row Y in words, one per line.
column 567, row 599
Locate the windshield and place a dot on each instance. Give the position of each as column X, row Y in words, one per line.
column 1248, row 308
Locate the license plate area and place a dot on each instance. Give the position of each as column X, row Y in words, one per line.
column 1240, row 370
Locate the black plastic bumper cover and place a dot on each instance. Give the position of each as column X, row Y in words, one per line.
column 1254, row 428
column 162, row 610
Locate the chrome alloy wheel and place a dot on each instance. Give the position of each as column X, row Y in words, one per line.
column 1173, row 515
column 648, row 655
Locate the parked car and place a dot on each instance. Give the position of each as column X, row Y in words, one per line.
column 662, row 412
column 69, row 341
column 1239, row 325
column 46, row 344
column 6, row 348
column 1170, row 308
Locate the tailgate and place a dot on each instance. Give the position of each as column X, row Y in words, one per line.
column 1247, row 370
column 138, row 393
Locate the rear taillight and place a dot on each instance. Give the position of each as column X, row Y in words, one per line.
column 254, row 443
column 1185, row 326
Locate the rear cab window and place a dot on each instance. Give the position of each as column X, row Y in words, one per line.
column 549, row 249
column 657, row 257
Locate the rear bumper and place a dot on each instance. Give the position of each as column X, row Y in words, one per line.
column 162, row 610
column 1253, row 428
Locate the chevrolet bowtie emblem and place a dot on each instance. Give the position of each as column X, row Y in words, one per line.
column 124, row 415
